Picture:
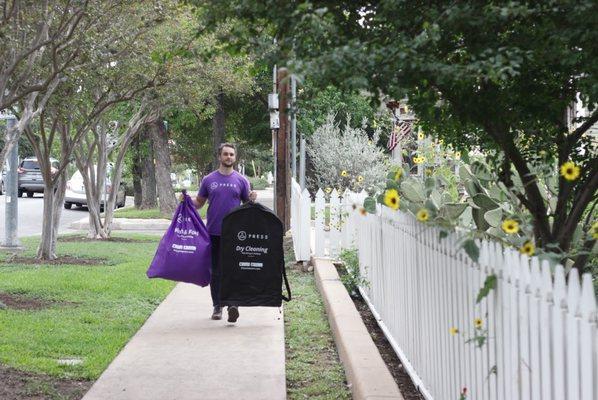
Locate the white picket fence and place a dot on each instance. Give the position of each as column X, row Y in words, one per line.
column 541, row 331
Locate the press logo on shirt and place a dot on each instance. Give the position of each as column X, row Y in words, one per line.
column 215, row 185
column 242, row 235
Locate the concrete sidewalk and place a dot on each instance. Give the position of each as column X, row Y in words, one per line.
column 180, row 353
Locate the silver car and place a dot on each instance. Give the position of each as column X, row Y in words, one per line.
column 75, row 193
column 30, row 176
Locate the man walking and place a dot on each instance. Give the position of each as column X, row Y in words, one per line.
column 224, row 189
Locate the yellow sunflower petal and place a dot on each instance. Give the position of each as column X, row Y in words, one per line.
column 391, row 199
column 423, row 215
column 570, row 171
column 510, row 226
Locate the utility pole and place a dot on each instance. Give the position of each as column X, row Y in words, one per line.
column 11, row 241
column 283, row 177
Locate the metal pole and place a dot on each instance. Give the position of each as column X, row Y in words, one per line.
column 294, row 126
column 302, row 163
column 11, row 241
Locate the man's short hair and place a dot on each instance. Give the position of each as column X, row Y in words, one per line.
column 223, row 145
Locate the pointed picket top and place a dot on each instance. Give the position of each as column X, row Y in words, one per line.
column 498, row 259
column 536, row 277
column 361, row 196
column 573, row 291
column 334, row 193
column 587, row 303
column 546, row 288
column 560, row 287
column 507, row 266
column 525, row 274
column 320, row 194
column 306, row 194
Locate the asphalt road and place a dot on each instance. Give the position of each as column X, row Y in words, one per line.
column 30, row 215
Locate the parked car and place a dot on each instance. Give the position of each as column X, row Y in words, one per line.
column 75, row 192
column 30, row 177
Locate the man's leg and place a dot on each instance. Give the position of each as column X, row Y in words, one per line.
column 215, row 278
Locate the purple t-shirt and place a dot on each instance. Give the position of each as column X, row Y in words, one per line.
column 224, row 192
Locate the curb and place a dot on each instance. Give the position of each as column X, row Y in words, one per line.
column 366, row 372
column 128, row 224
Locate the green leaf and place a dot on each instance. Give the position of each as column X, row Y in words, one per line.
column 484, row 202
column 442, row 234
column 392, row 184
column 489, row 284
column 452, row 211
column 413, row 191
column 370, row 205
column 494, row 217
column 472, row 250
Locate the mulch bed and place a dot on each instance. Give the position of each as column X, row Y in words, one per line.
column 81, row 238
column 402, row 378
column 19, row 385
column 62, row 260
column 22, row 302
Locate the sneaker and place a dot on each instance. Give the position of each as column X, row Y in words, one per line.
column 233, row 313
column 217, row 314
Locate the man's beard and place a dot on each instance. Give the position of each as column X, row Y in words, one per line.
column 227, row 163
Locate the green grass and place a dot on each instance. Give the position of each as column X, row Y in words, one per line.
column 326, row 214
column 151, row 213
column 98, row 307
column 313, row 368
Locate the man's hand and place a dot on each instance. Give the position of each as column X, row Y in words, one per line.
column 252, row 195
column 181, row 198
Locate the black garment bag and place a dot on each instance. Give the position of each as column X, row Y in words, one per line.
column 252, row 258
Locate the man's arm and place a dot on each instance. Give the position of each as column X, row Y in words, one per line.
column 199, row 201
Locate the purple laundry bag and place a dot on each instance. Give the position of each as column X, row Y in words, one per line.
column 184, row 253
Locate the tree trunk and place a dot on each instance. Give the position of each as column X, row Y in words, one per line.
column 136, row 170
column 218, row 127
column 148, row 172
column 60, row 189
column 166, row 196
column 46, row 246
column 135, row 124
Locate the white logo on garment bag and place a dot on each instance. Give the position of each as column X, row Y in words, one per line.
column 242, row 235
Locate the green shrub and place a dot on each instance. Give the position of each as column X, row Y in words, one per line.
column 258, row 183
column 352, row 278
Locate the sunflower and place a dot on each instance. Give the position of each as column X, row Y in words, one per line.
column 528, row 248
column 328, row 190
column 422, row 215
column 453, row 331
column 594, row 230
column 363, row 211
column 421, row 136
column 478, row 323
column 360, row 179
column 392, row 199
column 457, row 155
column 570, row 171
column 510, row 226
column 398, row 174
column 419, row 159
column 344, row 173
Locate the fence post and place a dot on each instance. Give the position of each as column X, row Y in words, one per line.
column 335, row 220
column 320, row 208
column 587, row 336
column 305, row 233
